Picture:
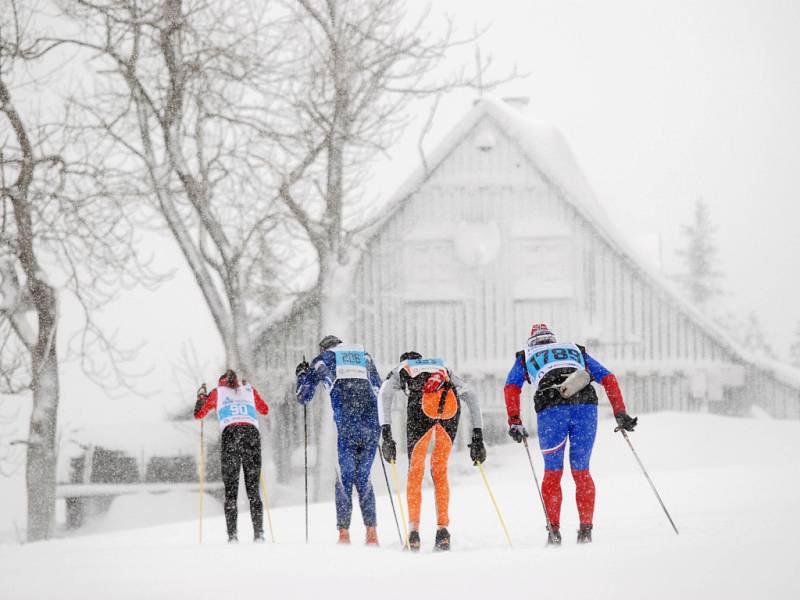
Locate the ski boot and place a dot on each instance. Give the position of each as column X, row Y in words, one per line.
column 258, row 537
column 344, row 536
column 553, row 536
column 442, row 540
column 372, row 536
column 413, row 540
column 233, row 538
column 585, row 534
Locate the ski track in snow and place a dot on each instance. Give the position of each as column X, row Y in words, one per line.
column 730, row 484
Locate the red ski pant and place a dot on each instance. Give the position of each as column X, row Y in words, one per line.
column 584, row 495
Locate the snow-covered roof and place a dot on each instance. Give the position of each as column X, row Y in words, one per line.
column 157, row 438
column 542, row 143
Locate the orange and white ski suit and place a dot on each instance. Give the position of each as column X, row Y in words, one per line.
column 426, row 421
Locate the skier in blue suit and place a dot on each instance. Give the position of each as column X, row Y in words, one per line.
column 350, row 376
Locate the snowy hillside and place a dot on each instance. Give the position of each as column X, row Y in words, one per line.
column 730, row 484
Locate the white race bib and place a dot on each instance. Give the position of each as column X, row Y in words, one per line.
column 236, row 406
column 418, row 366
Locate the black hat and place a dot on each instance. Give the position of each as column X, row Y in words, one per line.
column 410, row 355
column 328, row 342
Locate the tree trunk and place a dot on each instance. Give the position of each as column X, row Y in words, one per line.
column 336, row 318
column 40, row 470
column 240, row 356
column 40, row 473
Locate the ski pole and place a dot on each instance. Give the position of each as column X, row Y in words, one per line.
column 305, row 459
column 266, row 505
column 393, row 465
column 389, row 489
column 494, row 501
column 650, row 481
column 538, row 489
column 202, row 477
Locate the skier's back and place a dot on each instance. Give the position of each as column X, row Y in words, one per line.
column 350, row 376
column 236, row 404
column 566, row 410
column 434, row 398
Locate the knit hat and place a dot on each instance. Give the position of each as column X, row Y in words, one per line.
column 541, row 334
column 328, row 342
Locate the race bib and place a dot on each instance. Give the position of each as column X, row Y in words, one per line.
column 418, row 366
column 540, row 360
column 236, row 406
column 351, row 362
column 438, row 400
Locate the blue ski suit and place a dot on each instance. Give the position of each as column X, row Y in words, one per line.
column 350, row 376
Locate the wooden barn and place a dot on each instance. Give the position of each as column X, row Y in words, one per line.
column 502, row 231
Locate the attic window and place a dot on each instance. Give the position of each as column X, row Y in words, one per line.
column 485, row 140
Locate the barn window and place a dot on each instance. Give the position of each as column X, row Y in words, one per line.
column 431, row 272
column 545, row 267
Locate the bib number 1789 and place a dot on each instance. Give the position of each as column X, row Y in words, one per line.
column 542, row 357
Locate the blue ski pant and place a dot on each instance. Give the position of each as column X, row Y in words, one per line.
column 357, row 448
column 557, row 424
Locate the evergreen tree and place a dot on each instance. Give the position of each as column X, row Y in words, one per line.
column 794, row 349
column 701, row 275
column 755, row 339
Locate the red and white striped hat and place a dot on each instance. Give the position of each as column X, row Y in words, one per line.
column 541, row 334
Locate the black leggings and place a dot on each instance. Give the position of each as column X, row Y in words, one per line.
column 241, row 447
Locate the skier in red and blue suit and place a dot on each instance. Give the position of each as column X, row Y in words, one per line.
column 564, row 411
column 349, row 374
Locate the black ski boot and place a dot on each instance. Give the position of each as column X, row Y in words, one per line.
column 413, row 541
column 553, row 536
column 258, row 537
column 585, row 534
column 442, row 540
column 233, row 538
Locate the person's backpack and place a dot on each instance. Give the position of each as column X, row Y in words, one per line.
column 438, row 396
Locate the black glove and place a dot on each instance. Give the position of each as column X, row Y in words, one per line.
column 388, row 447
column 302, row 368
column 477, row 451
column 625, row 421
column 516, row 429
column 202, row 396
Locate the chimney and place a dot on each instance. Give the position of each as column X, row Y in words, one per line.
column 517, row 102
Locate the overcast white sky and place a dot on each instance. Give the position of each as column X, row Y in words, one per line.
column 661, row 102
column 665, row 102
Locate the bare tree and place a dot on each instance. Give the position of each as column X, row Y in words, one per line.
column 185, row 100
column 362, row 64
column 252, row 125
column 34, row 293
column 60, row 229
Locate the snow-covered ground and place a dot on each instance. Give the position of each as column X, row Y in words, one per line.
column 731, row 485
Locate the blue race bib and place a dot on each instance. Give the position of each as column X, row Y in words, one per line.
column 351, row 362
column 540, row 360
